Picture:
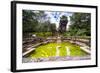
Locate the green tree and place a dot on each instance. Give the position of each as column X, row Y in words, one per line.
column 80, row 24
column 29, row 21
column 63, row 24
column 36, row 22
column 53, row 28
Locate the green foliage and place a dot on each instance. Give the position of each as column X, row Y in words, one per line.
column 63, row 24
column 80, row 24
column 37, row 21
column 64, row 18
column 53, row 28
column 28, row 21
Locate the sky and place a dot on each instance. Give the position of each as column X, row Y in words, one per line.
column 55, row 17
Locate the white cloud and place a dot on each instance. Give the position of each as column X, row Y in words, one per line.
column 56, row 20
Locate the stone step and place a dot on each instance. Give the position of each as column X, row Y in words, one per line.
column 86, row 50
column 31, row 49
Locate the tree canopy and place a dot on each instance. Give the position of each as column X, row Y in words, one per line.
column 63, row 23
column 37, row 21
column 80, row 24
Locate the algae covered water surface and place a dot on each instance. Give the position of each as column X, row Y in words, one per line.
column 50, row 50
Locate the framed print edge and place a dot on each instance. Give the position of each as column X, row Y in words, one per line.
column 96, row 36
column 13, row 36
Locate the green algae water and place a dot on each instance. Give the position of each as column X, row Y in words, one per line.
column 50, row 50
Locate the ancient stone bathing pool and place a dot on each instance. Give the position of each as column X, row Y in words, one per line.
column 57, row 51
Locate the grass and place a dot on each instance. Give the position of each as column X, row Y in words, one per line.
column 49, row 50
